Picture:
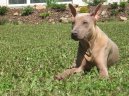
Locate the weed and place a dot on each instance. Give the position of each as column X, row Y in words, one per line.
column 3, row 10
column 50, row 2
column 44, row 15
column 122, row 6
column 94, row 2
column 114, row 12
column 84, row 9
column 114, row 5
column 58, row 7
column 27, row 11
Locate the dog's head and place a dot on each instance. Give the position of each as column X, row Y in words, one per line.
column 83, row 23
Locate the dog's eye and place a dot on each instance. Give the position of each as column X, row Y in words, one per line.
column 73, row 23
column 85, row 22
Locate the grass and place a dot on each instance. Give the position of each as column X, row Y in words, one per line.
column 30, row 55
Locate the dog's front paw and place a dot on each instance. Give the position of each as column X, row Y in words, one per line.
column 59, row 77
column 66, row 74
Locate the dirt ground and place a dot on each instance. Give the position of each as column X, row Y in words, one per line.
column 34, row 18
column 14, row 15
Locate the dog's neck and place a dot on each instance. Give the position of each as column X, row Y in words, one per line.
column 93, row 35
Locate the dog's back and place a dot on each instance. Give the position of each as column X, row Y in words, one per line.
column 113, row 54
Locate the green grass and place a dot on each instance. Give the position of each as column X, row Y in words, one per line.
column 30, row 55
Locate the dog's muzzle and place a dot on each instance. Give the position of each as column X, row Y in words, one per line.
column 74, row 36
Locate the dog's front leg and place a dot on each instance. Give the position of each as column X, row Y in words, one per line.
column 71, row 71
column 101, row 63
column 80, row 64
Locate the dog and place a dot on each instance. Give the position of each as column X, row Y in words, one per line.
column 95, row 48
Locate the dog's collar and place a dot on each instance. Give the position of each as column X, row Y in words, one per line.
column 88, row 55
column 88, row 52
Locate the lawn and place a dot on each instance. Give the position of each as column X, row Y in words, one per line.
column 30, row 55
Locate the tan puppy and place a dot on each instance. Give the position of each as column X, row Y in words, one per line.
column 95, row 48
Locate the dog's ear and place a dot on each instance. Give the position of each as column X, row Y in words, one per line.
column 73, row 10
column 97, row 11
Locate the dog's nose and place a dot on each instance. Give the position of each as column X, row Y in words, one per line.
column 74, row 32
column 74, row 35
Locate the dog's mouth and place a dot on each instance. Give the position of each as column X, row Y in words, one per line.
column 74, row 37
